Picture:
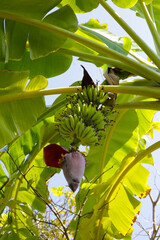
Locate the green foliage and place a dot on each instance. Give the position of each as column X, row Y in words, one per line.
column 128, row 4
column 13, row 114
column 87, row 6
column 120, row 44
column 154, row 8
column 37, row 41
column 48, row 66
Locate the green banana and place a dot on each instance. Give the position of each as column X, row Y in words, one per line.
column 80, row 103
column 79, row 129
column 89, row 140
column 89, row 93
column 72, row 122
column 92, row 140
column 100, row 96
column 76, row 119
column 86, row 132
column 90, row 134
column 64, row 133
column 91, row 111
column 105, row 97
column 84, row 110
column 78, row 109
column 96, row 116
column 98, row 120
column 85, row 95
column 64, row 127
column 80, row 95
column 94, row 93
column 67, row 123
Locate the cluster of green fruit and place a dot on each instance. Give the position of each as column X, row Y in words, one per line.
column 84, row 118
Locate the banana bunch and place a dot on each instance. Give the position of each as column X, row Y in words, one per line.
column 83, row 110
column 75, row 130
column 67, row 127
column 90, row 114
column 88, row 136
column 84, row 119
column 92, row 95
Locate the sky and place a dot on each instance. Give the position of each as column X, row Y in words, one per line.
column 75, row 73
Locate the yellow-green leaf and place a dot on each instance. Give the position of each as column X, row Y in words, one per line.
column 125, row 3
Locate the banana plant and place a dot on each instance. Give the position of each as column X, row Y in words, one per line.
column 37, row 41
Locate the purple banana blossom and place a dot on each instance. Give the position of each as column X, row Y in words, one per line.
column 72, row 163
